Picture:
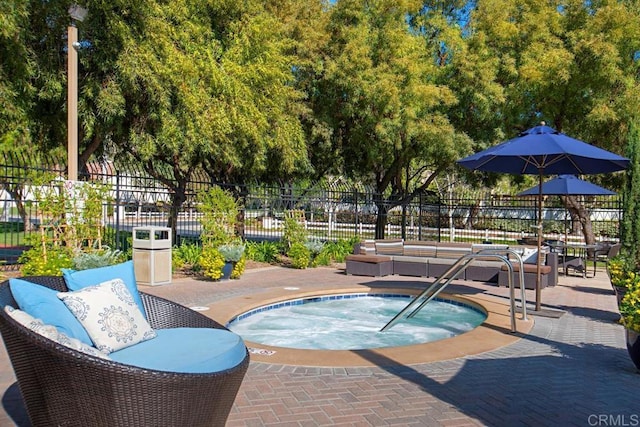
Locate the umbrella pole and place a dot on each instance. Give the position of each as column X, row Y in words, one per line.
column 538, row 261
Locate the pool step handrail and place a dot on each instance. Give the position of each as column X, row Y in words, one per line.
column 454, row 271
column 500, row 256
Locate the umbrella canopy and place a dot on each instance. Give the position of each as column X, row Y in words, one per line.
column 543, row 150
column 568, row 185
column 565, row 185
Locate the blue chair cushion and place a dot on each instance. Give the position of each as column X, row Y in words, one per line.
column 43, row 303
column 79, row 279
column 185, row 350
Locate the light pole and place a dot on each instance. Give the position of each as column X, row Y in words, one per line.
column 77, row 13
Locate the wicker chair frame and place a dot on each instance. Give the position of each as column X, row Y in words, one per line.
column 63, row 387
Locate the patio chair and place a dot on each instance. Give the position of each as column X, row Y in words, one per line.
column 604, row 252
column 62, row 386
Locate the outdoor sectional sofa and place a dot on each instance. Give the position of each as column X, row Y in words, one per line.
column 187, row 374
column 433, row 259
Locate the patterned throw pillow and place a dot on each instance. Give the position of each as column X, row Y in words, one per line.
column 109, row 314
column 51, row 332
column 124, row 271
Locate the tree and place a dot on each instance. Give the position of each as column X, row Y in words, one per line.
column 21, row 87
column 630, row 226
column 378, row 93
column 15, row 73
column 572, row 64
column 264, row 139
column 305, row 22
column 467, row 66
column 172, row 86
column 205, row 85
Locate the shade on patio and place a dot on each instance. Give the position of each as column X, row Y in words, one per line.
column 541, row 151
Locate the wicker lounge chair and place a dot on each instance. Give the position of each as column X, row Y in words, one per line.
column 61, row 386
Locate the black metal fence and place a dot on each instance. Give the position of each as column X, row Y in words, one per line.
column 331, row 211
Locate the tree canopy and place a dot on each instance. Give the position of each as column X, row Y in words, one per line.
column 389, row 93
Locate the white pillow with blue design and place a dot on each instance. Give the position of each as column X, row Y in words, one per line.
column 109, row 314
column 51, row 332
column 79, row 279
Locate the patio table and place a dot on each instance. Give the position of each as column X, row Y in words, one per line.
column 578, row 258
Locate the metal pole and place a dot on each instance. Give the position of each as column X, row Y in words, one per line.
column 538, row 261
column 72, row 104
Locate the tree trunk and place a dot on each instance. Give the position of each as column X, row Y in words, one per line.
column 16, row 195
column 381, row 219
column 474, row 210
column 578, row 211
column 177, row 200
column 241, row 199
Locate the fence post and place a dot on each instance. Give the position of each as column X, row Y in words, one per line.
column 355, row 198
column 439, row 220
column 117, row 208
column 420, row 216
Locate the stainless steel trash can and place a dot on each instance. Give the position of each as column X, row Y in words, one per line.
column 152, row 255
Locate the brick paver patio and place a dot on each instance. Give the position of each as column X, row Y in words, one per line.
column 571, row 370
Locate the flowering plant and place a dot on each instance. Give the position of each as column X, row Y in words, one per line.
column 630, row 309
column 621, row 275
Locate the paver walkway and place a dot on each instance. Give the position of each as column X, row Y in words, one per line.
column 569, row 371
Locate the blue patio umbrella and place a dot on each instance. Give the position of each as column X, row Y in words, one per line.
column 565, row 185
column 541, row 151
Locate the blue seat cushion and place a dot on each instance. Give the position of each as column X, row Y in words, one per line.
column 43, row 303
column 185, row 350
column 79, row 279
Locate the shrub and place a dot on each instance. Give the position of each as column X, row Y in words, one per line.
column 55, row 259
column 72, row 219
column 621, row 274
column 263, row 251
column 97, row 258
column 219, row 212
column 211, row 263
column 338, row 251
column 294, row 232
column 323, row 258
column 186, row 255
column 231, row 252
column 630, row 309
column 238, row 268
column 314, row 246
column 300, row 256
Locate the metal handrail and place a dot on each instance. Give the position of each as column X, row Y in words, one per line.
column 454, row 271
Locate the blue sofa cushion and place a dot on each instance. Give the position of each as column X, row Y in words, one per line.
column 186, row 350
column 78, row 279
column 43, row 303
